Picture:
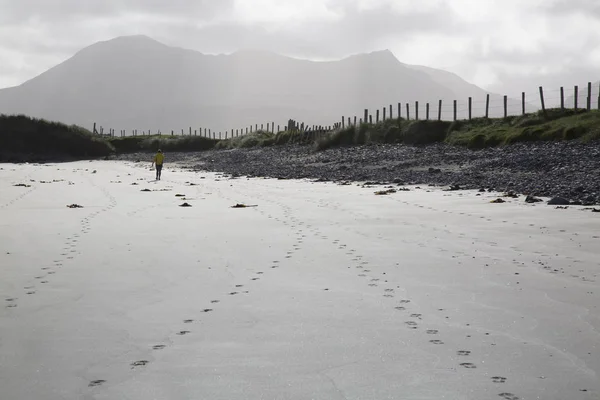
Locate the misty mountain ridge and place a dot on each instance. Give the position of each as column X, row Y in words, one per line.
column 135, row 82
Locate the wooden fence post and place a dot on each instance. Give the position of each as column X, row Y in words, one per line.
column 190, row 131
column 370, row 119
column 343, row 122
column 541, row 100
column 454, row 112
column 95, row 131
column 355, row 120
column 589, row 96
column 377, row 116
column 487, row 105
column 523, row 103
column 439, row 110
column 384, row 110
column 505, row 106
column 427, row 111
column 562, row 98
column 470, row 107
column 416, row 110
column 195, row 132
column 182, row 133
column 407, row 112
column 366, row 118
column 391, row 112
column 399, row 110
column 598, row 96
column 576, row 90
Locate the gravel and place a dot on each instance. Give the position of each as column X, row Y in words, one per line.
column 570, row 170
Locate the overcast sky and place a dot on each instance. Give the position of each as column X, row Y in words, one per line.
column 502, row 45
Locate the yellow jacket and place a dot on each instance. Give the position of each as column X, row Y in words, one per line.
column 159, row 158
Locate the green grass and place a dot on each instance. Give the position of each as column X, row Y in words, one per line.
column 264, row 139
column 555, row 125
column 25, row 138
column 134, row 144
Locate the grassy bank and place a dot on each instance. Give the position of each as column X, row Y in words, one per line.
column 555, row 125
column 28, row 139
column 134, row 144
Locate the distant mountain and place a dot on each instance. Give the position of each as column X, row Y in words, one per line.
column 135, row 82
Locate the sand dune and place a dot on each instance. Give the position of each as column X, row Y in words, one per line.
column 321, row 291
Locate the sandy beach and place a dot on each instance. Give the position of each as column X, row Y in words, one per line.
column 318, row 291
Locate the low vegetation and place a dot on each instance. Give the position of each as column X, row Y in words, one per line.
column 28, row 139
column 134, row 144
column 555, row 125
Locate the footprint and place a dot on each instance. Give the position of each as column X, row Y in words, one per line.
column 239, row 286
column 416, row 316
column 233, row 293
column 30, row 293
column 97, row 382
column 436, row 342
column 498, row 379
column 140, row 363
column 372, row 284
column 400, row 308
column 206, row 310
column 432, row 331
column 404, row 301
column 389, row 290
column 468, row 365
column 181, row 333
column 463, row 353
column 158, row 347
column 215, row 301
column 188, row 321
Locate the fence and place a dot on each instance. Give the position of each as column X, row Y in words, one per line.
column 492, row 106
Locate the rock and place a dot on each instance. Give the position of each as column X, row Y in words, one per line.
column 532, row 199
column 558, row 201
column 455, row 187
column 511, row 194
column 398, row 181
column 497, row 201
column 434, row 170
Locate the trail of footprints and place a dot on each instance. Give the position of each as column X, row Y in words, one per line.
column 402, row 305
column 238, row 289
column 301, row 229
column 67, row 253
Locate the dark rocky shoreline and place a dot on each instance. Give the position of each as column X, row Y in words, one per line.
column 554, row 169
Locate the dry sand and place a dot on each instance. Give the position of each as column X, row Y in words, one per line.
column 320, row 292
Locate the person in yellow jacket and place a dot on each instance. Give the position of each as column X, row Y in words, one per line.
column 159, row 158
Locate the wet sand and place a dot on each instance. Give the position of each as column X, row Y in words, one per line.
column 321, row 291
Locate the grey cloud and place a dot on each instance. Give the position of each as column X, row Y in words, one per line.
column 561, row 7
column 355, row 31
column 57, row 11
